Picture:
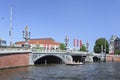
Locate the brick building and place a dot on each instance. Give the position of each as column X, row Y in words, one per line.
column 43, row 43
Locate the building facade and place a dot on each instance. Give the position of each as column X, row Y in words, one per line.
column 117, row 44
column 43, row 43
column 114, row 44
column 2, row 42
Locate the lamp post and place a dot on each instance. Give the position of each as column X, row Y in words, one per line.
column 26, row 36
column 87, row 44
column 66, row 41
column 105, row 52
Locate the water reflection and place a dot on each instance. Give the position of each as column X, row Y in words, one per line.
column 89, row 71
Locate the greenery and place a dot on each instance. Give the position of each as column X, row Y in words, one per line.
column 83, row 48
column 101, row 44
column 62, row 46
column 117, row 52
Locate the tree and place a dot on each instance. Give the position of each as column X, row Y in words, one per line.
column 117, row 52
column 62, row 46
column 101, row 44
column 83, row 48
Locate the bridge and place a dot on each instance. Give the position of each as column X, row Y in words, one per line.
column 62, row 56
column 26, row 56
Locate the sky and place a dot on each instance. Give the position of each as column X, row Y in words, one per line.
column 86, row 20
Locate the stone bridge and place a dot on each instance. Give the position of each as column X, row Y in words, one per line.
column 13, row 57
column 62, row 57
column 48, row 56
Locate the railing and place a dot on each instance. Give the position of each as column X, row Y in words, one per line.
column 47, row 51
column 35, row 50
column 14, row 50
column 57, row 51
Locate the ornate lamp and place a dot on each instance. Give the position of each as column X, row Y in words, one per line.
column 66, row 41
column 26, row 36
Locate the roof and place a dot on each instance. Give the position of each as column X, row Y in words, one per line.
column 40, row 41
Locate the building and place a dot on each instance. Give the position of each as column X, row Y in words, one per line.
column 2, row 42
column 117, row 44
column 43, row 43
column 114, row 44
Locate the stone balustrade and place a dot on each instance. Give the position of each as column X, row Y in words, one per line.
column 14, row 50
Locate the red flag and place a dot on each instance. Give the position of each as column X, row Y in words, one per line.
column 74, row 42
column 44, row 46
column 80, row 43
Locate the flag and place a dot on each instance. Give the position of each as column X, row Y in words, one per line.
column 44, row 46
column 80, row 43
column 74, row 42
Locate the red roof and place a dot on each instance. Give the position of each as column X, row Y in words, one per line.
column 40, row 41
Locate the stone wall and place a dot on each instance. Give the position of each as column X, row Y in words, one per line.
column 113, row 58
column 14, row 60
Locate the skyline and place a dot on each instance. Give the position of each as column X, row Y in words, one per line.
column 85, row 20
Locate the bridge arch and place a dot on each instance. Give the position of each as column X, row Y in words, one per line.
column 49, row 58
column 96, row 59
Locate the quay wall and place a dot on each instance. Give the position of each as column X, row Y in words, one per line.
column 113, row 58
column 14, row 60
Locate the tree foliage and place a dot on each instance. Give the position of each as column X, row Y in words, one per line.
column 101, row 44
column 117, row 52
column 83, row 48
column 62, row 46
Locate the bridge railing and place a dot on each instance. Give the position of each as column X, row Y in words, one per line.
column 46, row 51
column 57, row 51
column 14, row 50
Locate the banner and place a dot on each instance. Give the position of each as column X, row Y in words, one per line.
column 74, row 42
column 80, row 43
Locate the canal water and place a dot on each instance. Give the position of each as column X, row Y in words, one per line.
column 88, row 71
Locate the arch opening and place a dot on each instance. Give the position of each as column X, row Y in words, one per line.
column 49, row 59
column 96, row 59
column 78, row 58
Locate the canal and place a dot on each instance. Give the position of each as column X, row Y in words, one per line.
column 88, row 71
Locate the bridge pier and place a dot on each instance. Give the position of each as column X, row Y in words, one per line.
column 8, row 60
column 31, row 59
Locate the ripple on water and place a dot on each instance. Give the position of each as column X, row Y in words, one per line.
column 88, row 71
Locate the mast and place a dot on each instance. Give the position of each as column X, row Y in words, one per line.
column 10, row 29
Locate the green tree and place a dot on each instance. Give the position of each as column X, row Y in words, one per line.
column 117, row 52
column 83, row 48
column 101, row 44
column 62, row 46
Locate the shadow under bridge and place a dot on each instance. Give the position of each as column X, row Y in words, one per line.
column 79, row 58
column 49, row 59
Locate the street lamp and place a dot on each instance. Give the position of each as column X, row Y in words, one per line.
column 105, row 52
column 26, row 36
column 66, row 41
column 87, row 44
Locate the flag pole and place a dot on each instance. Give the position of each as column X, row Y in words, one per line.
column 10, row 29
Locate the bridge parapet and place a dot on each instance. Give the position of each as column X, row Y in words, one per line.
column 14, row 50
column 58, row 51
column 47, row 51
